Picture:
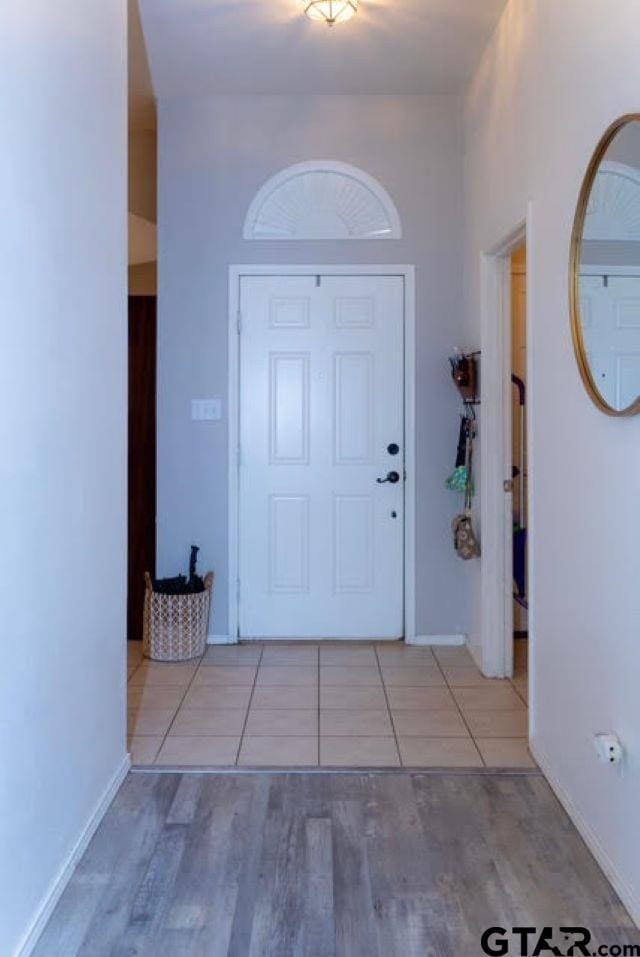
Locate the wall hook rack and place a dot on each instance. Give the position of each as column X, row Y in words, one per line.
column 465, row 372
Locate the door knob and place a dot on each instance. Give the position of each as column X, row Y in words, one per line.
column 393, row 477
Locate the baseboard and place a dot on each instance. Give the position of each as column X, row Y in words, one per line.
column 61, row 880
column 416, row 640
column 629, row 895
column 437, row 640
column 221, row 640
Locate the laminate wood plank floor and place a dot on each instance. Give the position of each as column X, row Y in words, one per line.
column 270, row 864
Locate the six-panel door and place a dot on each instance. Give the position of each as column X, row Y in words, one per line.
column 321, row 408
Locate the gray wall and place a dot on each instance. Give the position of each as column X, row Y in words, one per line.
column 214, row 153
column 63, row 360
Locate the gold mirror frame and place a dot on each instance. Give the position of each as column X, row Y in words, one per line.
column 574, row 271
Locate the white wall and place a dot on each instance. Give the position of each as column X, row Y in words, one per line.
column 214, row 153
column 63, row 431
column 553, row 78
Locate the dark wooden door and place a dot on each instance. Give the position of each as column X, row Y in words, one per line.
column 142, row 454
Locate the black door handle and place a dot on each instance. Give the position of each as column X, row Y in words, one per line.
column 393, row 477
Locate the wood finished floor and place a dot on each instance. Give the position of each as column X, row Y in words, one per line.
column 328, row 865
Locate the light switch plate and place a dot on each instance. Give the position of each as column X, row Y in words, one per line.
column 206, row 410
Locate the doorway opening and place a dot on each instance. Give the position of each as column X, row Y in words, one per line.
column 506, row 501
column 321, row 491
column 142, row 456
column 143, row 283
column 520, row 474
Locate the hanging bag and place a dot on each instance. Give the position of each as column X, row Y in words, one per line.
column 465, row 541
column 464, row 538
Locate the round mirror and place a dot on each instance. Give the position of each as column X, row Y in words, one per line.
column 605, row 271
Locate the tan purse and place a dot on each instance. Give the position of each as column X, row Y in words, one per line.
column 464, row 538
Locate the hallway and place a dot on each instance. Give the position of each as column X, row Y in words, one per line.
column 353, row 704
column 329, row 865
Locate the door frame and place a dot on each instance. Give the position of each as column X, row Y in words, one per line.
column 236, row 274
column 496, row 513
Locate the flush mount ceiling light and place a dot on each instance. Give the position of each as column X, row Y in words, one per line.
column 330, row 11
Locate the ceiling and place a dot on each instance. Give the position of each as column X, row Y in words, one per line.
column 268, row 46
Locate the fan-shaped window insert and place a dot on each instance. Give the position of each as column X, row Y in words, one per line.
column 613, row 212
column 322, row 200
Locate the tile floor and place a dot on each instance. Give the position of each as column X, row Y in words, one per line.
column 354, row 705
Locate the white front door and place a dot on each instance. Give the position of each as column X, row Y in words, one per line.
column 611, row 327
column 321, row 422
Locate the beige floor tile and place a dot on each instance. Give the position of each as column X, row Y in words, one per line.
column 404, row 656
column 199, row 750
column 421, row 699
column 228, row 675
column 351, row 675
column 348, row 657
column 419, row 676
column 288, row 656
column 143, row 748
column 272, row 721
column 505, row 752
column 279, row 751
column 211, row 721
column 433, row 724
column 164, row 673
column 149, row 720
column 369, row 722
column 498, row 724
column 462, row 676
column 231, row 655
column 287, row 675
column 439, row 752
column 154, row 696
column 217, row 696
column 453, row 655
column 358, row 751
column 283, row 697
column 502, row 698
column 344, row 697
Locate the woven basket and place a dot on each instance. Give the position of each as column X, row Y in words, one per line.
column 175, row 626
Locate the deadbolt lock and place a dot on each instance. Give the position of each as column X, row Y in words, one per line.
column 508, row 485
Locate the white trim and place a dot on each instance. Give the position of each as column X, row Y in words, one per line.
column 220, row 640
column 438, row 640
column 366, row 181
column 628, row 894
column 60, row 881
column 495, row 435
column 593, row 269
column 407, row 273
column 275, row 641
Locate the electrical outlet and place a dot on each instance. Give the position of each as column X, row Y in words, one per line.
column 608, row 747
